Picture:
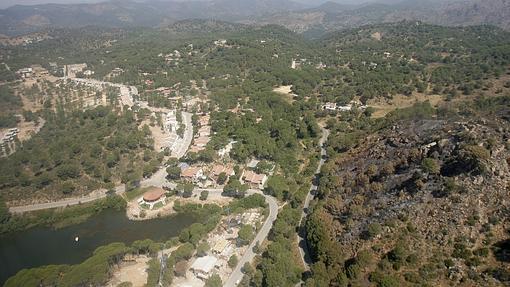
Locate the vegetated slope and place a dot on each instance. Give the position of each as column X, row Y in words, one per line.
column 10, row 104
column 76, row 153
column 332, row 16
column 423, row 199
column 407, row 58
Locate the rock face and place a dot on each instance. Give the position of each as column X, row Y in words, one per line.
column 440, row 188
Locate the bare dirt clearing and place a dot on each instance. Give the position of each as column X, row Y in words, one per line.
column 384, row 106
column 286, row 91
column 131, row 271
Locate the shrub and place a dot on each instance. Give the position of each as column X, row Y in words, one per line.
column 213, row 281
column 398, row 254
column 412, row 277
column 449, row 263
column 412, row 259
column 353, row 271
column 364, row 258
column 461, row 251
column 430, row 165
column 384, row 280
column 483, row 252
column 374, row 229
column 68, row 187
column 184, row 252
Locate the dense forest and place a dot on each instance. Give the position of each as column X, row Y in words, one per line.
column 412, row 57
column 77, row 152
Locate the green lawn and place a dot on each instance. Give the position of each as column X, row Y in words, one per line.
column 158, row 205
column 133, row 194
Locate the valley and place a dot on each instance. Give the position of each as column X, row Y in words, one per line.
column 211, row 153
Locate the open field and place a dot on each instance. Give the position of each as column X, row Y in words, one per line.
column 384, row 106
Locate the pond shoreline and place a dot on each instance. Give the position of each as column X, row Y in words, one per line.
column 42, row 245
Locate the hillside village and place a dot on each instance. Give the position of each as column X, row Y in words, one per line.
column 338, row 162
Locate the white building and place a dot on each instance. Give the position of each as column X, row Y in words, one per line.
column 329, row 106
column 171, row 121
column 25, row 72
column 71, row 70
column 203, row 266
column 293, row 65
column 227, row 149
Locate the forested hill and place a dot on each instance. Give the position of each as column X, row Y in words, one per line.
column 298, row 17
column 416, row 199
column 264, row 88
column 23, row 19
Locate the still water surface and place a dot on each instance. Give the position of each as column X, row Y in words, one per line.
column 43, row 245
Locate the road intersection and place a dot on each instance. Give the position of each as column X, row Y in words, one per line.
column 159, row 179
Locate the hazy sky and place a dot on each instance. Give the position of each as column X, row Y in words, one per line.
column 8, row 3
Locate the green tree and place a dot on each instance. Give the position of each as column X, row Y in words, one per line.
column 68, row 187
column 232, row 261
column 184, row 252
column 246, row 234
column 222, row 178
column 202, row 249
column 186, row 189
column 214, row 281
column 4, row 211
column 204, row 194
column 277, row 186
column 234, row 188
column 174, row 172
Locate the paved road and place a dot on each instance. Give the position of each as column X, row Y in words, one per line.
column 302, row 243
column 98, row 194
column 157, row 179
column 248, row 256
column 180, row 150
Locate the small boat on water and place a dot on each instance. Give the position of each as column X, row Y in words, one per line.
column 76, row 239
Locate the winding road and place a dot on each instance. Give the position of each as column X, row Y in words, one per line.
column 159, row 178
column 237, row 274
column 302, row 243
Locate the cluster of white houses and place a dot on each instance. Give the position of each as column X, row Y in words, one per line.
column 330, row 106
column 25, row 73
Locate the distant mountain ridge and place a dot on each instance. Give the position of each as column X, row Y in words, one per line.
column 24, row 19
column 295, row 15
column 332, row 16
